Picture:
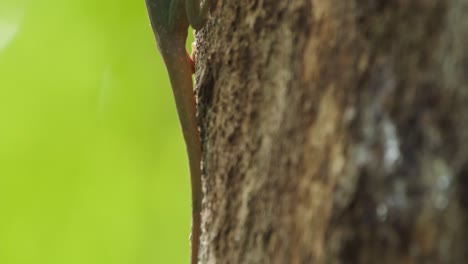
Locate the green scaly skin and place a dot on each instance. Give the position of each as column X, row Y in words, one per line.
column 170, row 20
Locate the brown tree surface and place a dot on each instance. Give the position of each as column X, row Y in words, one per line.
column 334, row 131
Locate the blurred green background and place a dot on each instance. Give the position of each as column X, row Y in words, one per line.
column 92, row 163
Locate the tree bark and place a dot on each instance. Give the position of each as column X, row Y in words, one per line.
column 334, row 131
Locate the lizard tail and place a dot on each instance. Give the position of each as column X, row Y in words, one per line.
column 180, row 73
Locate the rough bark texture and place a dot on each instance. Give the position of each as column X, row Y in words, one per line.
column 335, row 131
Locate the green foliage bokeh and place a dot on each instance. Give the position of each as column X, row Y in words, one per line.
column 92, row 162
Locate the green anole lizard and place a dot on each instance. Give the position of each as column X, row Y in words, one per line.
column 170, row 20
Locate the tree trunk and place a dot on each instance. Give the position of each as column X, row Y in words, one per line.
column 334, row 131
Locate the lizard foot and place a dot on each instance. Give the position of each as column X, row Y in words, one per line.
column 193, row 55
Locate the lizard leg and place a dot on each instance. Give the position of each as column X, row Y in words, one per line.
column 197, row 12
column 193, row 56
column 191, row 60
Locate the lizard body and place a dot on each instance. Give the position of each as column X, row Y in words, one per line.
column 170, row 20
